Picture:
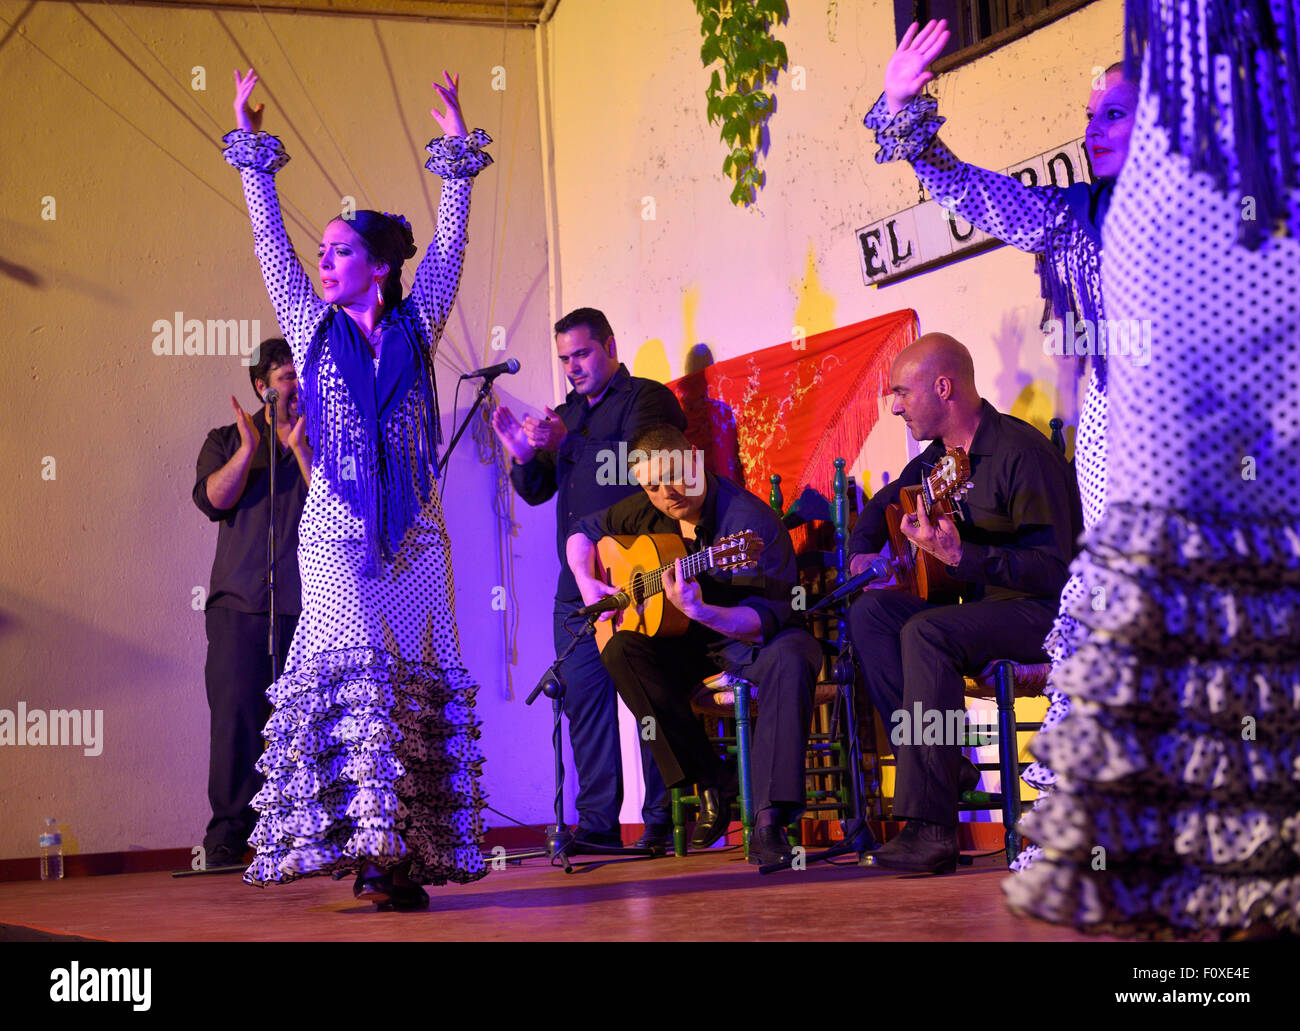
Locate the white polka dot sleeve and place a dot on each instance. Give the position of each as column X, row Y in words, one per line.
column 1001, row 205
column 258, row 156
column 457, row 159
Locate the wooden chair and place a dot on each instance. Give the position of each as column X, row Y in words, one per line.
column 1004, row 681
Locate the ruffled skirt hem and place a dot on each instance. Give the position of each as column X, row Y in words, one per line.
column 1176, row 808
column 370, row 759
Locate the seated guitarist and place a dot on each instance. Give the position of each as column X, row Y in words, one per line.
column 739, row 622
column 1011, row 548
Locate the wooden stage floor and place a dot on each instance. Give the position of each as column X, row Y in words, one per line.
column 713, row 896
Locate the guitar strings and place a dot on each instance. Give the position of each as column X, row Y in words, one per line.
column 652, row 583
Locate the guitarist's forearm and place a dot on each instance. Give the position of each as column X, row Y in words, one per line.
column 580, row 553
column 741, row 622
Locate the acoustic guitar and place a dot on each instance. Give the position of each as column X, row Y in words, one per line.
column 915, row 570
column 637, row 564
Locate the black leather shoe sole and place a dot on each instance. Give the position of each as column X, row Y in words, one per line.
column 911, row 864
column 658, row 846
column 759, row 856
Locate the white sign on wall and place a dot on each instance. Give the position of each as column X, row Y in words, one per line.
column 928, row 235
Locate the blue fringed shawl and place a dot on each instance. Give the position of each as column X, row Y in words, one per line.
column 1261, row 49
column 1069, row 265
column 381, row 468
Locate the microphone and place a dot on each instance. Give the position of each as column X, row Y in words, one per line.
column 508, row 367
column 879, row 569
column 271, row 396
column 612, row 603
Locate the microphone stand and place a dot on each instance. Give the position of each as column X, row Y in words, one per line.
column 479, row 398
column 858, row 837
column 560, row 844
column 273, row 636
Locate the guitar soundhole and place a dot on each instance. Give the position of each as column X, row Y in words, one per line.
column 636, row 588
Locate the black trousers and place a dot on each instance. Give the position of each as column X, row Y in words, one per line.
column 916, row 653
column 591, row 707
column 656, row 677
column 237, row 673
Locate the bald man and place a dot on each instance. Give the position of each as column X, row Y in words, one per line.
column 1011, row 549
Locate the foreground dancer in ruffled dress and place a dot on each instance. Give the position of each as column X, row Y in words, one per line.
column 372, row 764
column 1177, row 809
column 1062, row 225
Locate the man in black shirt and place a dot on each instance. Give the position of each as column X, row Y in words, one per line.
column 570, row 455
column 739, row 623
column 1012, row 548
column 232, row 488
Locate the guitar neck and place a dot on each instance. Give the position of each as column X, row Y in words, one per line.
column 692, row 566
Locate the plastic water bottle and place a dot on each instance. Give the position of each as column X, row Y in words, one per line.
column 51, row 851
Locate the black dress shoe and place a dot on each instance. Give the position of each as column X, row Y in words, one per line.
column 770, row 845
column 658, row 837
column 714, row 817
column 919, row 848
column 968, row 777
column 408, row 898
column 224, row 855
column 373, row 887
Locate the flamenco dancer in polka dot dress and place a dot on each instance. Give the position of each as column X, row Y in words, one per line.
column 1062, row 226
column 372, row 764
column 1177, row 809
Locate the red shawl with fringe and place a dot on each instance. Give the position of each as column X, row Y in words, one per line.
column 794, row 408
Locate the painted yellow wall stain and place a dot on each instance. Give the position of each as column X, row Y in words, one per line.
column 651, row 361
column 814, row 308
column 1038, row 404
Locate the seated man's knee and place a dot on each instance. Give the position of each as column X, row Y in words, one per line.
column 623, row 644
column 874, row 612
column 795, row 659
column 926, row 633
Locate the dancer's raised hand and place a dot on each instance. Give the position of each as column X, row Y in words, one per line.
column 453, row 122
column 246, row 116
column 908, row 70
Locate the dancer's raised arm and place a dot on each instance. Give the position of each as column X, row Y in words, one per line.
column 258, row 156
column 907, row 123
column 457, row 156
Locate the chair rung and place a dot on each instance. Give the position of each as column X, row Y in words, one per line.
column 981, row 800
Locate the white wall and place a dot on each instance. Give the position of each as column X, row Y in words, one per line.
column 100, row 563
column 629, row 97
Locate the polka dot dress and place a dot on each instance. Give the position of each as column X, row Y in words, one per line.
column 1036, row 219
column 372, row 751
column 1177, row 808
